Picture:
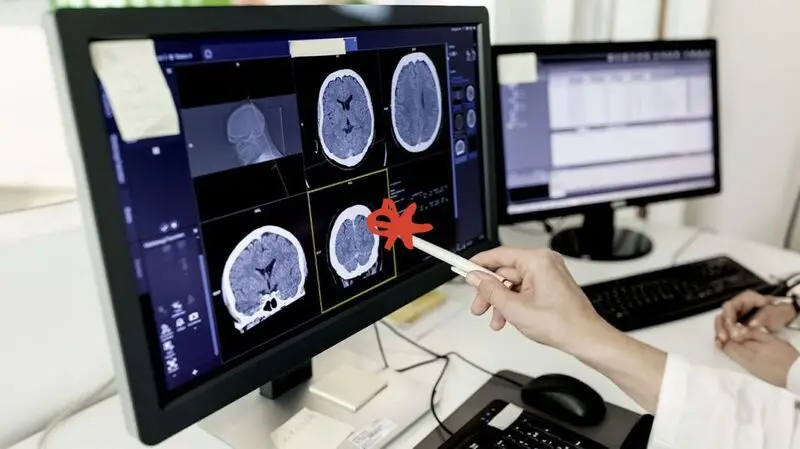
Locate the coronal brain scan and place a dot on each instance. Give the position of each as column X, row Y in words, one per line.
column 346, row 119
column 353, row 248
column 416, row 102
column 247, row 131
column 264, row 273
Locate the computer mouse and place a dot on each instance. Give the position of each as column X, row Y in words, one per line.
column 565, row 398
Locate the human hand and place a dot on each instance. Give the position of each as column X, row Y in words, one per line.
column 764, row 355
column 772, row 317
column 546, row 304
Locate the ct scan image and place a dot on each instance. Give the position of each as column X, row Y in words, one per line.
column 416, row 102
column 242, row 133
column 351, row 260
column 264, row 273
column 346, row 119
column 232, row 135
column 415, row 84
column 352, row 248
column 342, row 116
column 261, row 273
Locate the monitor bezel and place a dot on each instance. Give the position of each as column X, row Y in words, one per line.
column 602, row 47
column 71, row 31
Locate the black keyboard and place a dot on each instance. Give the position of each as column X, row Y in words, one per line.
column 670, row 294
column 527, row 431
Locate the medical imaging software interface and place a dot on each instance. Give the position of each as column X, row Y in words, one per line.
column 593, row 128
column 250, row 225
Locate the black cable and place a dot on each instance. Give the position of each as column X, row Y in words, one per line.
column 380, row 345
column 447, row 355
column 787, row 238
column 688, row 243
column 433, row 398
column 435, row 358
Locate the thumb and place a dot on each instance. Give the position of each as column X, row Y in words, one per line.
column 491, row 290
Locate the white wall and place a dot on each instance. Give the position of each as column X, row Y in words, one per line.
column 760, row 110
column 22, row 12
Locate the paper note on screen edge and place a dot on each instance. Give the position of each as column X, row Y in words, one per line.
column 136, row 88
column 307, row 429
column 518, row 68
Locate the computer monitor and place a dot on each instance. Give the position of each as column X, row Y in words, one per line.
column 585, row 128
column 228, row 158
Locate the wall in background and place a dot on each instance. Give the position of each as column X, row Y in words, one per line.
column 760, row 111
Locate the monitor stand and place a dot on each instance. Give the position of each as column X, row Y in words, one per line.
column 598, row 239
column 249, row 422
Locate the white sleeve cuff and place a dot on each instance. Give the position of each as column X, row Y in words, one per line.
column 671, row 400
column 793, row 379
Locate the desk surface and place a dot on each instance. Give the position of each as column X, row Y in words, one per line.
column 102, row 425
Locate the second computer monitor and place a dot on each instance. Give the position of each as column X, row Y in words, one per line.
column 586, row 127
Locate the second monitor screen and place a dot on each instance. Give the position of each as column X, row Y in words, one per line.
column 597, row 127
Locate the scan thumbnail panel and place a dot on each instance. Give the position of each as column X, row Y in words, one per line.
column 262, row 273
column 351, row 260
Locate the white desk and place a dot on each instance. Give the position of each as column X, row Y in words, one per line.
column 101, row 426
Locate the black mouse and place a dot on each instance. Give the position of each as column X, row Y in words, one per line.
column 565, row 398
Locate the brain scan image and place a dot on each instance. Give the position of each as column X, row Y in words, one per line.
column 470, row 93
column 472, row 118
column 353, row 249
column 264, row 273
column 346, row 119
column 247, row 131
column 416, row 102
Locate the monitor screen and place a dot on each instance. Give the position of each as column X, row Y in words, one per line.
column 591, row 128
column 249, row 227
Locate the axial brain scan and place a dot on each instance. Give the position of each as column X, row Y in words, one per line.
column 353, row 248
column 247, row 131
column 416, row 102
column 346, row 120
column 264, row 273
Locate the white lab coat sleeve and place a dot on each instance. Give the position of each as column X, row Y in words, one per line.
column 793, row 381
column 705, row 408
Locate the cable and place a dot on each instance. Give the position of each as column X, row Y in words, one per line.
column 433, row 398
column 435, row 358
column 80, row 404
column 688, row 243
column 380, row 345
column 787, row 238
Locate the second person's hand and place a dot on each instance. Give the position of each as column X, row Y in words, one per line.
column 771, row 316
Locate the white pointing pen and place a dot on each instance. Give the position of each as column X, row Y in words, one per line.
column 458, row 264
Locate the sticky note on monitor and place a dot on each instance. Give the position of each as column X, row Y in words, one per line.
column 517, row 68
column 317, row 47
column 137, row 90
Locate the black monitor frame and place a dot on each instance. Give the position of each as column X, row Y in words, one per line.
column 602, row 47
column 72, row 31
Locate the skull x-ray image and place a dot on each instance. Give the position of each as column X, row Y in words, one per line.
column 352, row 248
column 416, row 102
column 345, row 118
column 264, row 273
column 248, row 132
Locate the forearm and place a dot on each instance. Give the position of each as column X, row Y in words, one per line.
column 637, row 368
